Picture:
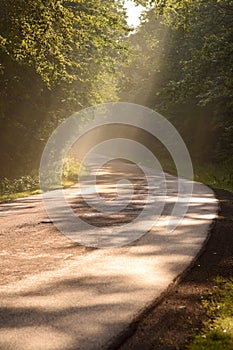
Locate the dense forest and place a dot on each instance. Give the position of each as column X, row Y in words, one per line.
column 182, row 66
column 58, row 57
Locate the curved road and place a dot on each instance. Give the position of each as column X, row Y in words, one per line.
column 86, row 299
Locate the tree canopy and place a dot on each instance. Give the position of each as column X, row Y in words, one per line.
column 59, row 56
column 53, row 56
column 188, row 50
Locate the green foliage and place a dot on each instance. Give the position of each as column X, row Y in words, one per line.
column 72, row 168
column 187, row 76
column 56, row 57
column 214, row 340
column 215, row 175
column 142, row 77
column 207, row 64
column 60, row 39
column 24, row 183
column 218, row 332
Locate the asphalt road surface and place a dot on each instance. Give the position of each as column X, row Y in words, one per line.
column 85, row 298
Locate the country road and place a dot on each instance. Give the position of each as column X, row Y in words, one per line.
column 58, row 294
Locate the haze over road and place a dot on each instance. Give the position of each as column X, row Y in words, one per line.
column 59, row 295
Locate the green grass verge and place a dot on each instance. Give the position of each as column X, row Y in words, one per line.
column 11, row 196
column 29, row 185
column 215, row 175
column 217, row 333
column 218, row 176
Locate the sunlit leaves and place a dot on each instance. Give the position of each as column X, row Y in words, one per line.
column 56, row 56
column 207, row 65
column 60, row 38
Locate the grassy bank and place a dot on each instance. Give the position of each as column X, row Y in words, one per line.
column 29, row 185
column 217, row 333
column 11, row 196
column 18, row 188
column 215, row 175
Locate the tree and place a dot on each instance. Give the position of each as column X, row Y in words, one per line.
column 206, row 70
column 188, row 47
column 53, row 56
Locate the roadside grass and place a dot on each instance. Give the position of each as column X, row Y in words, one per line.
column 29, row 185
column 215, row 175
column 19, row 187
column 217, row 333
column 10, row 196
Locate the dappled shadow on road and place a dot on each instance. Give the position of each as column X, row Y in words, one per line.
column 20, row 206
column 91, row 300
column 89, row 303
column 179, row 315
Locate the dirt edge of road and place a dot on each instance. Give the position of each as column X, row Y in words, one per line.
column 171, row 322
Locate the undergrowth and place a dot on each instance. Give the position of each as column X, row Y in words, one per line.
column 29, row 184
column 217, row 333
